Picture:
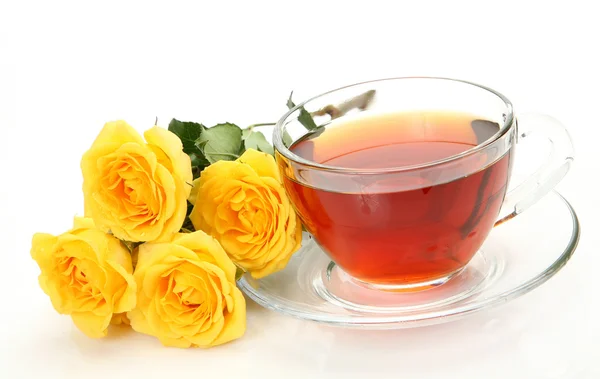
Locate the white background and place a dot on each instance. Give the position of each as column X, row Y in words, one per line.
column 66, row 68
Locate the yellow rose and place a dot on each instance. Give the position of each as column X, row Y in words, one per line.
column 243, row 205
column 87, row 274
column 187, row 294
column 137, row 190
column 120, row 319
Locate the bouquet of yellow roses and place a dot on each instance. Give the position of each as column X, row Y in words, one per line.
column 171, row 219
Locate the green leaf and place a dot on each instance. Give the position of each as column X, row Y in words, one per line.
column 257, row 141
column 198, row 159
column 188, row 133
column 287, row 139
column 189, row 209
column 246, row 133
column 304, row 118
column 188, row 226
column 239, row 272
column 196, row 172
column 221, row 142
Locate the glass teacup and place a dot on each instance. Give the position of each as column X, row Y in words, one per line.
column 401, row 180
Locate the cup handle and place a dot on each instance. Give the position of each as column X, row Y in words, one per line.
column 549, row 174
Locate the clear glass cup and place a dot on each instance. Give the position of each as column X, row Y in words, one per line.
column 414, row 226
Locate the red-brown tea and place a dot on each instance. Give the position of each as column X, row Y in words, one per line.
column 410, row 236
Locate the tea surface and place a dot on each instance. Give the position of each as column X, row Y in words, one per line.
column 398, row 236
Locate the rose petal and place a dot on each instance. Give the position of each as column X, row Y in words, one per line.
column 117, row 132
column 127, row 300
column 235, row 321
column 171, row 145
column 83, row 223
column 262, row 163
column 94, row 326
column 201, row 243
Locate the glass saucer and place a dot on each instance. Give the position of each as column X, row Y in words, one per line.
column 517, row 257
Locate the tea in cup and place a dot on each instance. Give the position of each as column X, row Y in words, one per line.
column 401, row 191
